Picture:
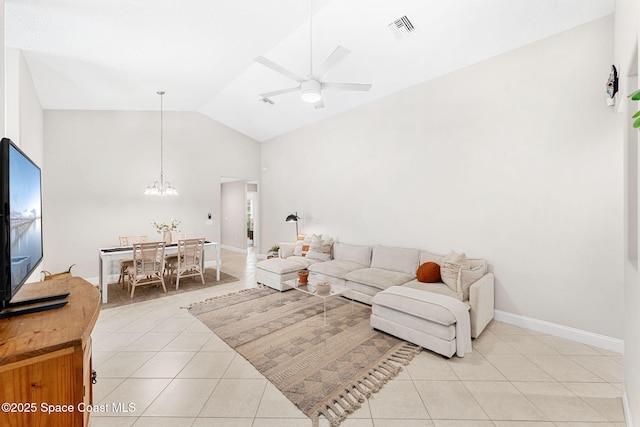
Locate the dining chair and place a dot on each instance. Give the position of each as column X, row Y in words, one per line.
column 187, row 262
column 148, row 265
column 176, row 236
column 126, row 263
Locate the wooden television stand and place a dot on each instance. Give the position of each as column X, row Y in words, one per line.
column 45, row 358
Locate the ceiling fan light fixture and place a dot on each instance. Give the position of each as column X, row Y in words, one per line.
column 310, row 91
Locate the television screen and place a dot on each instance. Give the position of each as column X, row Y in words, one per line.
column 22, row 212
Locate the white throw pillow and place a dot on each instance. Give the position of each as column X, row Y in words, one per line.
column 468, row 276
column 320, row 248
column 450, row 271
column 286, row 249
column 302, row 246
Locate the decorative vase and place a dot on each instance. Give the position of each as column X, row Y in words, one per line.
column 303, row 276
column 167, row 237
column 323, row 288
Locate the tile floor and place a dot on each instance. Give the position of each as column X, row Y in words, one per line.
column 176, row 372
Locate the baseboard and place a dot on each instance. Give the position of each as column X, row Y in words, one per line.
column 96, row 280
column 626, row 409
column 232, row 249
column 585, row 337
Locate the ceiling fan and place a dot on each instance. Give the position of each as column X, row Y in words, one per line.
column 311, row 87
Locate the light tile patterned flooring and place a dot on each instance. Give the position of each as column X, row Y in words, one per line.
column 176, row 372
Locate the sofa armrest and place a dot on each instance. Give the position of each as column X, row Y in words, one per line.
column 481, row 300
column 286, row 249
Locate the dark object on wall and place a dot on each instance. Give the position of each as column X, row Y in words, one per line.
column 612, row 82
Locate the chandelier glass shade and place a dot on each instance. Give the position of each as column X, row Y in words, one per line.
column 161, row 188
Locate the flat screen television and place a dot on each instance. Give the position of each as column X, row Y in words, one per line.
column 20, row 224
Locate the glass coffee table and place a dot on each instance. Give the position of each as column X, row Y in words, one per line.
column 310, row 289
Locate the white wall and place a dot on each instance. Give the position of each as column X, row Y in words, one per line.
column 516, row 160
column 627, row 22
column 99, row 163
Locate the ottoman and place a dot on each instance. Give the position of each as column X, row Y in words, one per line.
column 272, row 272
column 432, row 321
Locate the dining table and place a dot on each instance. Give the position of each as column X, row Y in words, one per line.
column 117, row 253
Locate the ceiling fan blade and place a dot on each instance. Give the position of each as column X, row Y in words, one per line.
column 275, row 67
column 279, row 92
column 346, row 86
column 318, row 104
column 336, row 56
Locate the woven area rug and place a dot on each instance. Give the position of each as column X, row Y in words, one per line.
column 324, row 370
column 120, row 296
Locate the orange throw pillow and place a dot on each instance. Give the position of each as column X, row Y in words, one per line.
column 429, row 272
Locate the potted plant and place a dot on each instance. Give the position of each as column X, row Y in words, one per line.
column 303, row 276
column 273, row 252
column 635, row 96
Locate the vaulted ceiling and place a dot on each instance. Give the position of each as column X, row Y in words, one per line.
column 116, row 54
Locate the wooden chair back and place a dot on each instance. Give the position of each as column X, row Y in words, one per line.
column 176, row 236
column 148, row 258
column 130, row 240
column 190, row 253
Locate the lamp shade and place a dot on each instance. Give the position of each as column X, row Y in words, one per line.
column 292, row 218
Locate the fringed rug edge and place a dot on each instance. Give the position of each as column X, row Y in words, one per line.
column 336, row 408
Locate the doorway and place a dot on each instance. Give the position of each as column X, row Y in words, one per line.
column 238, row 214
column 252, row 197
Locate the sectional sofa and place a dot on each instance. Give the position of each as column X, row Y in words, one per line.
column 439, row 316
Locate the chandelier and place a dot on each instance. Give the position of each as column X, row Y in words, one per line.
column 161, row 188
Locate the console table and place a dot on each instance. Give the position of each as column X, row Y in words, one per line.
column 107, row 255
column 45, row 358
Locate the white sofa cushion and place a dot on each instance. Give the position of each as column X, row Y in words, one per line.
column 279, row 265
column 305, row 261
column 379, row 278
column 336, row 267
column 415, row 306
column 353, row 253
column 437, row 287
column 402, row 260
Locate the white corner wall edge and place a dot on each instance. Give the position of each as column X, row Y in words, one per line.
column 626, row 409
column 579, row 335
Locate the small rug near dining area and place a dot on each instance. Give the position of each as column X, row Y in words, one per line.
column 120, row 296
column 324, row 370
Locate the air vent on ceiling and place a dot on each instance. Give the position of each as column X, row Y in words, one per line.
column 401, row 27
